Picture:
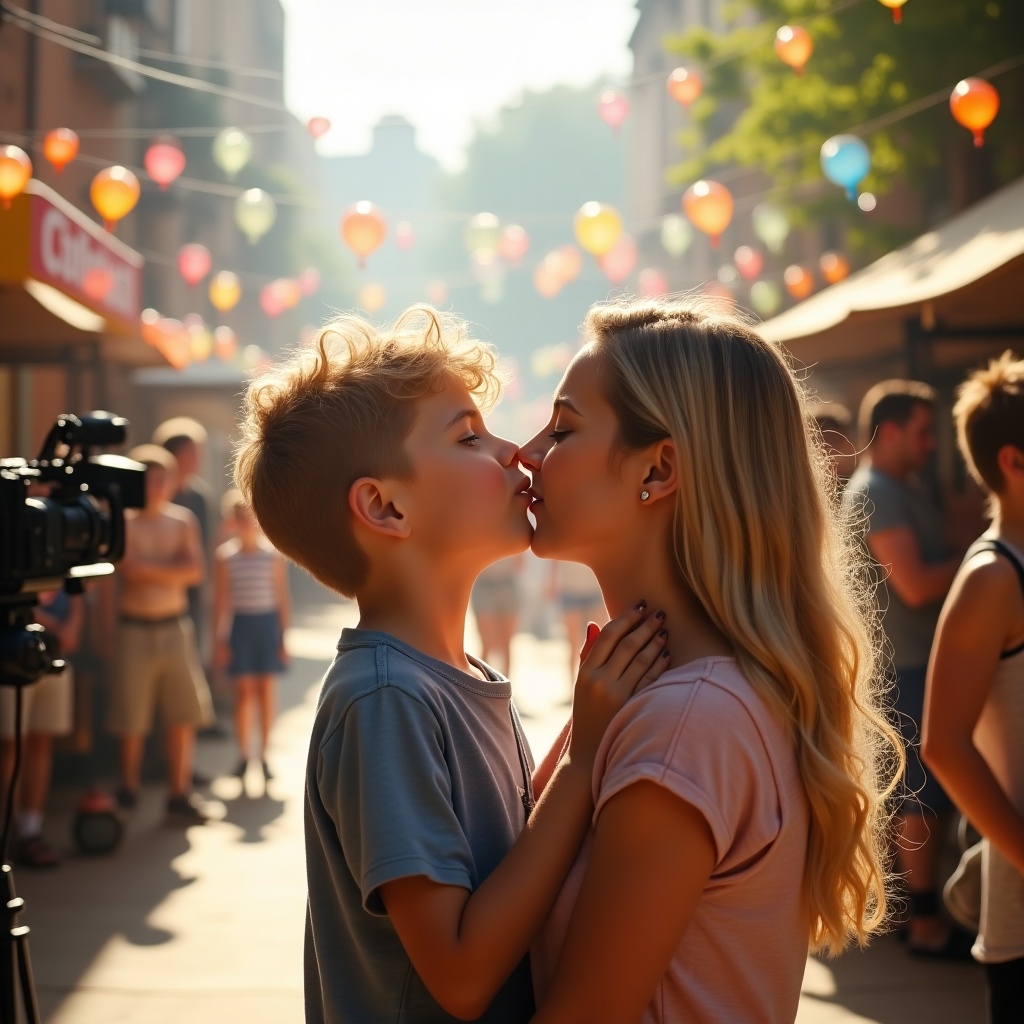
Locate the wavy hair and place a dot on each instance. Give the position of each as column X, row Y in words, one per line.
column 759, row 539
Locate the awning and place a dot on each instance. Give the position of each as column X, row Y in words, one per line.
column 64, row 281
column 967, row 275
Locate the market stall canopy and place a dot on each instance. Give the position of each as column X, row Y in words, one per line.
column 967, row 275
column 65, row 281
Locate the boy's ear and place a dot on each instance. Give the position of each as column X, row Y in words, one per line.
column 374, row 507
column 1011, row 462
column 662, row 476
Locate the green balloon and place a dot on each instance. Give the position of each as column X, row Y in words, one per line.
column 771, row 225
column 676, row 234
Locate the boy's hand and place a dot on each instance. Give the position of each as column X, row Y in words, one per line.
column 626, row 653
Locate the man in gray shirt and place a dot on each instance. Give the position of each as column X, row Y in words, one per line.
column 904, row 535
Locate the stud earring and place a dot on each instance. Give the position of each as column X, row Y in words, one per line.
column 644, row 495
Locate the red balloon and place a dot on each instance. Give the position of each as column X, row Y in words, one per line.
column 194, row 262
column 164, row 160
column 613, row 107
column 318, row 126
column 749, row 262
column 97, row 282
column 271, row 300
column 618, row 262
column 652, row 283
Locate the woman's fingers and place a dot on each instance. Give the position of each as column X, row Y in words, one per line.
column 613, row 633
column 632, row 644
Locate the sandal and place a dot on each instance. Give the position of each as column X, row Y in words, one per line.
column 36, row 852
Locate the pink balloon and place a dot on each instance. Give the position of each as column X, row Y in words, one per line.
column 652, row 283
column 618, row 262
column 749, row 262
column 317, row 126
column 164, row 160
column 612, row 106
column 513, row 244
column 309, row 281
column 271, row 300
column 194, row 262
column 405, row 236
column 437, row 292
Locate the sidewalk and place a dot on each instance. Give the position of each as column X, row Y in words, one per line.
column 206, row 925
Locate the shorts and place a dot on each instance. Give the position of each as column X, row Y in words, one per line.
column 922, row 793
column 495, row 597
column 157, row 666
column 255, row 642
column 47, row 707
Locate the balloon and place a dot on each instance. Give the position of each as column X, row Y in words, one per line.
column 834, row 266
column 404, row 235
column 225, row 291
column 437, row 292
column 598, row 227
column 718, row 290
column 569, row 263
column 255, row 213
column 709, row 205
column 317, row 126
column 619, row 261
column 974, row 104
column 486, row 267
column 60, row 147
column 15, row 171
column 771, row 225
column 363, row 229
column 749, row 262
column 684, row 86
column 114, row 193
column 794, row 46
column 799, row 282
column 225, row 343
column 765, row 297
column 612, row 106
column 148, row 320
column 200, row 338
column 652, row 283
column 97, row 282
column 309, row 281
column 546, row 278
column 232, row 149
column 253, row 357
column 676, row 234
column 513, row 244
column 483, row 233
column 194, row 262
column 372, row 297
column 897, row 14
column 728, row 277
column 845, row 160
column 288, row 291
column 164, row 160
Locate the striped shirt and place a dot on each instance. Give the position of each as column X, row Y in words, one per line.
column 251, row 588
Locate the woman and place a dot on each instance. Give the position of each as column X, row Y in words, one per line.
column 738, row 819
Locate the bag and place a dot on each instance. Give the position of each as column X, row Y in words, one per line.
column 962, row 893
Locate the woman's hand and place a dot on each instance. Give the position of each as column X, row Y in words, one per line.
column 628, row 652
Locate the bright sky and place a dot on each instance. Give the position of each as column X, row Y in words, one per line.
column 444, row 64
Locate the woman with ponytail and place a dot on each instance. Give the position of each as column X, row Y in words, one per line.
column 739, row 799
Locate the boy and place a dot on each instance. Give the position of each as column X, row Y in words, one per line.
column 366, row 460
column 158, row 661
column 974, row 703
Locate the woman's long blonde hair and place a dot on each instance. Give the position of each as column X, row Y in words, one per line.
column 761, row 542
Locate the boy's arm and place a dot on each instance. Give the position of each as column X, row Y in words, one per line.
column 464, row 944
column 186, row 570
column 972, row 631
column 284, row 600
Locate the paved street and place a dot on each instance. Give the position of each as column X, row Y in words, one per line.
column 205, row 926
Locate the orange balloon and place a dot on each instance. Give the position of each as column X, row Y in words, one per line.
column 569, row 263
column 974, row 104
column 684, row 86
column 895, row 5
column 547, row 278
column 372, row 297
column 708, row 204
column 15, row 171
column 794, row 46
column 363, row 228
column 60, row 147
column 834, row 266
column 799, row 282
column 114, row 193
column 225, row 343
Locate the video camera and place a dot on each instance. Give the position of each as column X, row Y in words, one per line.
column 71, row 530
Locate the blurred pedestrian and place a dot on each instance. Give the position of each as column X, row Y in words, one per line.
column 251, row 608
column 495, row 603
column 158, row 661
column 904, row 535
column 974, row 705
column 575, row 590
column 836, row 426
column 47, row 711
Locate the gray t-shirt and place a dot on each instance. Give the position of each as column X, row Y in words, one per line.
column 414, row 768
column 885, row 503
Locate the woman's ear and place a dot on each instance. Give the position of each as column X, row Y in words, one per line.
column 662, row 477
column 375, row 508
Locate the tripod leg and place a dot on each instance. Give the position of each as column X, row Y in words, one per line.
column 15, row 965
column 28, row 988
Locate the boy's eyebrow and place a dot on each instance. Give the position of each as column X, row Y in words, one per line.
column 461, row 415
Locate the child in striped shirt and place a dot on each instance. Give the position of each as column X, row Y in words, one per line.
column 251, row 609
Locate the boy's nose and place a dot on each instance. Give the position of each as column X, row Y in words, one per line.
column 531, row 455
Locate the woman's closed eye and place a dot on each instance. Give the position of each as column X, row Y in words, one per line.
column 556, row 434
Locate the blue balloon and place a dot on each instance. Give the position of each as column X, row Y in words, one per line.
column 846, row 161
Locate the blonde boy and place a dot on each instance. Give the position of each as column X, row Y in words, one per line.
column 367, row 461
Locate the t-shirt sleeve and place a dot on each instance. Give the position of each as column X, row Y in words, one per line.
column 700, row 742
column 884, row 507
column 384, row 780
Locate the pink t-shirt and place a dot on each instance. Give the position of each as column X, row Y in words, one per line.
column 703, row 733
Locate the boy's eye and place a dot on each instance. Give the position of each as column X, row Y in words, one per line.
column 470, row 439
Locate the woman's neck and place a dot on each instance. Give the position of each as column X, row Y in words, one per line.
column 1009, row 524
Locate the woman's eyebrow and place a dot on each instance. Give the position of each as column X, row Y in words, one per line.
column 564, row 402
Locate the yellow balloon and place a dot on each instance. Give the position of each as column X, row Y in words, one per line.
column 598, row 227
column 225, row 291
column 372, row 297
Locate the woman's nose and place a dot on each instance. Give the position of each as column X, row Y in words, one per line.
column 531, row 455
